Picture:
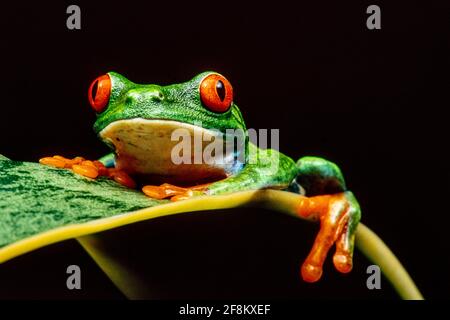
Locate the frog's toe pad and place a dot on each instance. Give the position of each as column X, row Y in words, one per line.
column 310, row 272
column 343, row 262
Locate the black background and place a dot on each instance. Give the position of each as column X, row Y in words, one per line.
column 373, row 101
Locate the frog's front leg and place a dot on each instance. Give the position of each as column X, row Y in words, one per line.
column 104, row 167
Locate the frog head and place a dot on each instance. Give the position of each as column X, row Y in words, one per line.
column 138, row 121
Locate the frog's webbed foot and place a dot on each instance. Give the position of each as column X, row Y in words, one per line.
column 175, row 193
column 91, row 169
column 339, row 215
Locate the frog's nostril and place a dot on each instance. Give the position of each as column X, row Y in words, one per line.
column 156, row 96
column 132, row 97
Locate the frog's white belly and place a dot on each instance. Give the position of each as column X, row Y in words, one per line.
column 168, row 148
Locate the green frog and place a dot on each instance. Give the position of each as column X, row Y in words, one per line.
column 144, row 124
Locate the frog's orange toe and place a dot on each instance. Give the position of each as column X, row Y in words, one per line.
column 343, row 258
column 52, row 162
column 310, row 272
column 343, row 262
column 85, row 170
column 123, row 178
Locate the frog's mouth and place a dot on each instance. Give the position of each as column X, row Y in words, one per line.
column 170, row 151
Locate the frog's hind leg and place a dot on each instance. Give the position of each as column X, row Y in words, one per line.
column 337, row 209
column 319, row 176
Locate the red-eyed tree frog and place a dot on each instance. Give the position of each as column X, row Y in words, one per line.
column 138, row 121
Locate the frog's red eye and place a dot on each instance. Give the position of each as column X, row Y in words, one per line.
column 216, row 93
column 99, row 92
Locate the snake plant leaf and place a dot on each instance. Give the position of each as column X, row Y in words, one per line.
column 36, row 198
